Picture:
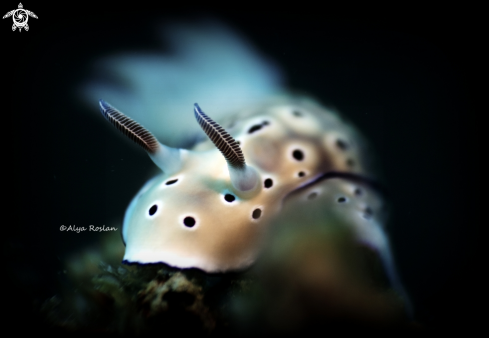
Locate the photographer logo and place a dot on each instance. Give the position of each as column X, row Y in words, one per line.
column 20, row 17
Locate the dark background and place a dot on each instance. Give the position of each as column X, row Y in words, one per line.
column 402, row 76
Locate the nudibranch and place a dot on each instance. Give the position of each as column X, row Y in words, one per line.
column 212, row 205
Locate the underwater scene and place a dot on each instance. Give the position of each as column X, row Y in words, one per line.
column 237, row 173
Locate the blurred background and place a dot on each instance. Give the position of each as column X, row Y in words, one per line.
column 402, row 79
